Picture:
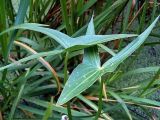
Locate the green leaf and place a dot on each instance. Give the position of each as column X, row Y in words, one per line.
column 86, row 7
column 105, row 15
column 140, row 100
column 141, row 70
column 90, row 40
column 30, row 42
column 31, row 109
column 93, row 106
column 22, row 10
column 89, row 71
column 65, row 15
column 56, row 35
column 107, row 49
column 156, row 76
column 122, row 103
column 83, row 76
column 65, row 40
column 34, row 56
column 112, row 63
column 91, row 55
column 56, row 108
column 48, row 111
column 3, row 24
column 18, row 97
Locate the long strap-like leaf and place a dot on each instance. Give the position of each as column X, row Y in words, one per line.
column 112, row 63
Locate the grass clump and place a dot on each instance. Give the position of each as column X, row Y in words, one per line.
column 79, row 58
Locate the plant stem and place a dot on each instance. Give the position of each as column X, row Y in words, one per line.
column 69, row 111
column 100, row 100
column 65, row 68
column 65, row 80
column 65, row 16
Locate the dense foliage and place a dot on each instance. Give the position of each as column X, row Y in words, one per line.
column 80, row 58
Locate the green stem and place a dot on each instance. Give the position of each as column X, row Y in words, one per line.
column 69, row 111
column 3, row 38
column 100, row 100
column 143, row 16
column 65, row 16
column 65, row 80
column 65, row 68
column 154, row 11
column 72, row 16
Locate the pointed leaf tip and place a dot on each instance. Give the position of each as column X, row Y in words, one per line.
column 90, row 29
column 112, row 63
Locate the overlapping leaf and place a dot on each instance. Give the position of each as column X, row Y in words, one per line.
column 65, row 40
column 88, row 72
column 42, row 54
column 85, row 74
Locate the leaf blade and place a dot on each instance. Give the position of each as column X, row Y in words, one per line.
column 79, row 81
column 112, row 63
column 122, row 103
column 65, row 40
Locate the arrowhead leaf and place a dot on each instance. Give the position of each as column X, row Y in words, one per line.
column 88, row 72
column 85, row 74
column 66, row 41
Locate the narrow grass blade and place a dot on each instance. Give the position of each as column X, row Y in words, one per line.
column 122, row 103
column 86, row 6
column 43, row 61
column 30, row 42
column 93, row 106
column 156, row 76
column 107, row 49
column 48, row 111
column 141, row 70
column 18, row 97
column 154, row 10
column 35, row 56
column 19, row 20
column 140, row 100
column 65, row 16
column 56, row 108
column 3, row 24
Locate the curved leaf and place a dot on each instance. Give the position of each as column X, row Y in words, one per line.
column 122, row 103
column 65, row 40
column 112, row 63
column 34, row 56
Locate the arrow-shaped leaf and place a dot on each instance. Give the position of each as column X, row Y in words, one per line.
column 85, row 74
column 65, row 40
column 88, row 72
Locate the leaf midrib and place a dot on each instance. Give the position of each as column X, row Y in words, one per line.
column 80, row 85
